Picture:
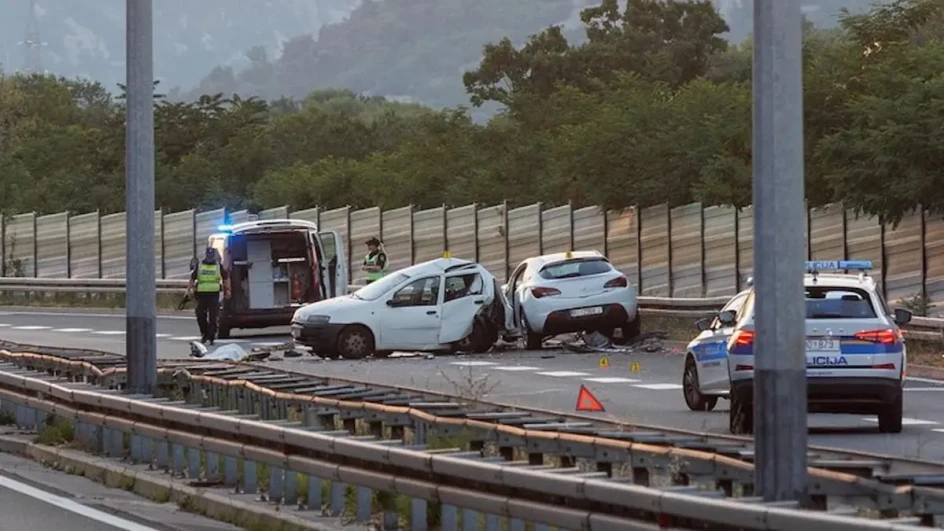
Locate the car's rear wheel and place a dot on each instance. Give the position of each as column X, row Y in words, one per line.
column 889, row 416
column 632, row 329
column 533, row 340
column 741, row 417
column 478, row 340
column 355, row 342
column 694, row 399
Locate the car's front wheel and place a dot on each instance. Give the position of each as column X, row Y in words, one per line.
column 694, row 398
column 355, row 342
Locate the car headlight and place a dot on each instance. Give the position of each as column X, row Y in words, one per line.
column 317, row 319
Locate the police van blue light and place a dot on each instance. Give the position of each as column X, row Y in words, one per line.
column 225, row 228
column 819, row 266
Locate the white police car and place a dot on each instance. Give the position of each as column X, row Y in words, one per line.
column 855, row 352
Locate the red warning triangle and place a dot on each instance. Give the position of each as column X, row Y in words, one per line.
column 587, row 402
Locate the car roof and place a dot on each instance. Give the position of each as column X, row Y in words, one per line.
column 839, row 280
column 545, row 259
column 436, row 267
column 269, row 225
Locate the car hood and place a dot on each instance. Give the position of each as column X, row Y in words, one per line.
column 329, row 307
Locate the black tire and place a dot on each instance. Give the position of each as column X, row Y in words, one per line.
column 477, row 340
column 889, row 416
column 355, row 342
column 533, row 341
column 741, row 417
column 632, row 329
column 693, row 397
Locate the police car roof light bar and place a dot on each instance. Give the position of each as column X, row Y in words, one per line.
column 225, row 228
column 819, row 266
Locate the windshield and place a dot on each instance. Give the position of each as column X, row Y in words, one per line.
column 377, row 289
column 581, row 267
column 838, row 303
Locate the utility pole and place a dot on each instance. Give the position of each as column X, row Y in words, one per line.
column 780, row 401
column 32, row 44
column 141, row 292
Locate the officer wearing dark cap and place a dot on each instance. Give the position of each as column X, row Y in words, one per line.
column 375, row 263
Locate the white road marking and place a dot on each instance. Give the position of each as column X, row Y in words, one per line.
column 659, row 386
column 72, row 330
column 32, row 327
column 232, row 340
column 71, row 506
column 938, row 430
column 163, row 336
column 109, row 332
column 189, row 338
column 473, row 363
column 3, row 325
column 905, row 421
column 563, row 374
column 268, row 344
column 517, row 368
column 611, row 380
column 97, row 315
column 938, row 389
column 924, row 380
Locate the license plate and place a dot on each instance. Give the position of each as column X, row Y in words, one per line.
column 583, row 312
column 822, row 344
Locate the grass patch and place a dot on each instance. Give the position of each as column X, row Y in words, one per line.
column 56, row 433
column 7, row 418
column 165, row 301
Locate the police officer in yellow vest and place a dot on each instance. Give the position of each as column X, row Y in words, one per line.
column 375, row 263
column 207, row 280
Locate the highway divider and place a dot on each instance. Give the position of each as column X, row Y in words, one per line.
column 219, row 420
column 923, row 328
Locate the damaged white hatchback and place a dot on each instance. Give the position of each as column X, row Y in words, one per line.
column 446, row 304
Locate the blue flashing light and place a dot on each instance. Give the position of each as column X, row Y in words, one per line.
column 838, row 265
column 225, row 228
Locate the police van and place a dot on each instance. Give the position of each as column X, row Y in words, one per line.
column 855, row 352
column 276, row 266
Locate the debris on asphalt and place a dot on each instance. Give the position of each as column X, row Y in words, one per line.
column 229, row 352
column 599, row 343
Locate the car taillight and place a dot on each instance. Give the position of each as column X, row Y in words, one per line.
column 885, row 366
column 544, row 292
column 884, row 337
column 741, row 368
column 744, row 338
column 618, row 282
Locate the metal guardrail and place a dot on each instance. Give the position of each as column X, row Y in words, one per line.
column 924, row 328
column 514, row 465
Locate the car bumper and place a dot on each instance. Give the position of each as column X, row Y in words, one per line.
column 319, row 337
column 837, row 395
column 561, row 321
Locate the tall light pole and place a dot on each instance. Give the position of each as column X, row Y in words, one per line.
column 780, row 401
column 141, row 293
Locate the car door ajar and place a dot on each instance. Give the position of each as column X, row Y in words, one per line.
column 463, row 297
column 411, row 318
column 712, row 353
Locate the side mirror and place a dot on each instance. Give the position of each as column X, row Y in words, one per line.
column 703, row 324
column 392, row 303
column 903, row 316
column 727, row 318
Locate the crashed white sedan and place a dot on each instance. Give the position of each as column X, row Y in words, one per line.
column 445, row 304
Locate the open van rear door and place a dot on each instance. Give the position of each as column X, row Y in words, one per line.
column 334, row 263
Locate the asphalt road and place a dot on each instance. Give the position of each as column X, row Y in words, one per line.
column 548, row 379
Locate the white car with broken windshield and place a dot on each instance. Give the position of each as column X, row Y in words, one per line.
column 440, row 305
column 576, row 291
